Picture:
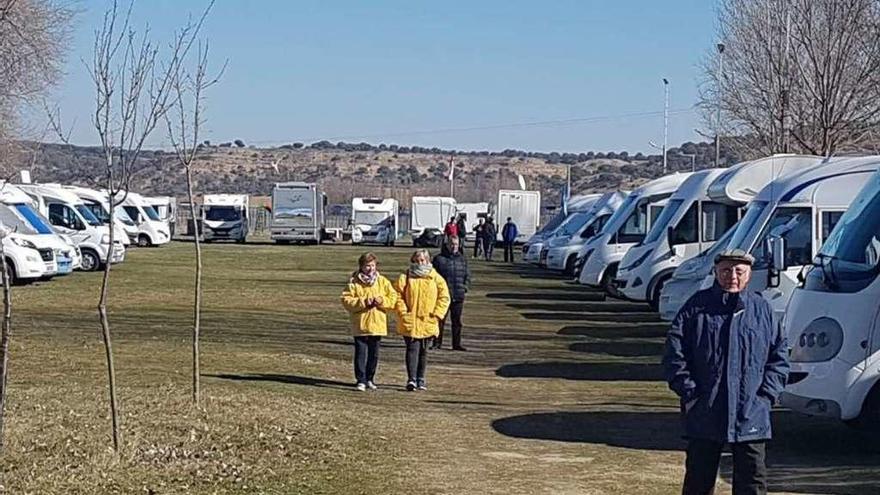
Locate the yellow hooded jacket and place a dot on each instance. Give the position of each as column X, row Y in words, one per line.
column 369, row 321
column 422, row 303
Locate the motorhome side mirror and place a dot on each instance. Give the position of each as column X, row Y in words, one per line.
column 777, row 252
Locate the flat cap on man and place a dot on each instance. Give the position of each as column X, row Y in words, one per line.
column 737, row 255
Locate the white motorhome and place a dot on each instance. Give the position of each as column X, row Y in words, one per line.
column 690, row 223
column 40, row 233
column 298, row 213
column 833, row 321
column 225, row 217
column 471, row 212
column 600, row 256
column 737, row 186
column 124, row 229
column 152, row 231
column 523, row 207
column 69, row 214
column 375, row 220
column 24, row 259
column 430, row 212
column 564, row 246
column 166, row 208
column 535, row 244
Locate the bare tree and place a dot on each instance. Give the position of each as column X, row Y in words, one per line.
column 134, row 83
column 799, row 75
column 183, row 133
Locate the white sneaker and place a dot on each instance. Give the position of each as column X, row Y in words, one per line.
column 361, row 387
column 372, row 386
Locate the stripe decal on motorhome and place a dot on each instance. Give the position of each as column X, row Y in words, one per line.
column 790, row 194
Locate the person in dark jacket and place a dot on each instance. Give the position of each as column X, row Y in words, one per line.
column 728, row 363
column 508, row 237
column 452, row 265
column 462, row 231
column 478, row 242
column 490, row 234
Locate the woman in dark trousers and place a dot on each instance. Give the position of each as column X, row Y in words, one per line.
column 366, row 298
column 423, row 301
column 453, row 267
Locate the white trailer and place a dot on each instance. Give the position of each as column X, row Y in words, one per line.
column 523, row 207
column 430, row 212
column 298, row 212
column 375, row 220
column 471, row 212
column 225, row 217
column 833, row 321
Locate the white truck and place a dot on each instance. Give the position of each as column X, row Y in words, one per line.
column 471, row 212
column 225, row 217
column 69, row 214
column 429, row 212
column 833, row 321
column 738, row 185
column 375, row 221
column 298, row 211
column 523, row 208
column 152, row 231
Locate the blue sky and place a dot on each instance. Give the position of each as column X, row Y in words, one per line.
column 386, row 70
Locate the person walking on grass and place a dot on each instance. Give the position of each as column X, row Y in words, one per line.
column 452, row 265
column 451, row 228
column 728, row 363
column 508, row 236
column 479, row 229
column 461, row 225
column 490, row 234
column 423, row 301
column 367, row 298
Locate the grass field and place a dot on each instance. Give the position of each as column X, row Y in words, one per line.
column 560, row 392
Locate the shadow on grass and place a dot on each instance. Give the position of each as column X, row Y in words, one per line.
column 622, row 349
column 621, row 307
column 808, row 455
column 548, row 296
column 290, row 379
column 583, row 371
column 645, row 317
column 642, row 331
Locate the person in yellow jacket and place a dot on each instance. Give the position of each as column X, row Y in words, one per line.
column 423, row 302
column 366, row 298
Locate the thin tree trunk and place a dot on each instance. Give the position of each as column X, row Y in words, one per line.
column 105, row 325
column 197, row 305
column 5, row 335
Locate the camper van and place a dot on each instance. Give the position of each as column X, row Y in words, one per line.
column 124, row 230
column 69, row 214
column 26, row 261
column 833, row 321
column 628, row 226
column 225, row 217
column 298, row 211
column 36, row 229
column 374, row 221
column 430, row 212
column 523, row 207
column 472, row 213
column 152, row 231
column 738, row 185
column 534, row 245
column 564, row 246
column 166, row 208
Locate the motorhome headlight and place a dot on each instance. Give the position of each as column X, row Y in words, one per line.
column 105, row 239
column 638, row 262
column 820, row 341
column 23, row 242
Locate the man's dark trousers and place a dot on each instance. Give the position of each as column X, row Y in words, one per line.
column 454, row 314
column 508, row 252
column 749, row 467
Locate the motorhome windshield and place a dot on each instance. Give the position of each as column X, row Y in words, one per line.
column 98, row 211
column 659, row 227
column 14, row 222
column 123, row 216
column 748, row 224
column 292, row 203
column 88, row 215
column 362, row 217
column 636, row 225
column 622, row 212
column 795, row 225
column 222, row 213
column 151, row 213
column 36, row 220
column 573, row 224
column 553, row 223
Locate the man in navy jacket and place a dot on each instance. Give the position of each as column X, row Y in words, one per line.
column 508, row 236
column 728, row 363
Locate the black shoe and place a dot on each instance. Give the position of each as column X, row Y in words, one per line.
column 459, row 348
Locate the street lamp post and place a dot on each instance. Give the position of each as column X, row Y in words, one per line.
column 720, row 47
column 665, row 120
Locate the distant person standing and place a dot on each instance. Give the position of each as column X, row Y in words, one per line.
column 490, row 235
column 462, row 231
column 478, row 242
column 451, row 229
column 423, row 302
column 452, row 265
column 366, row 298
column 728, row 363
column 508, row 236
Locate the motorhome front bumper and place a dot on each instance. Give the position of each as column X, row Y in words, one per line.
column 118, row 253
column 294, row 234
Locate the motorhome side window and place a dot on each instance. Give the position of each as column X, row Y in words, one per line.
column 63, row 215
column 133, row 213
column 635, row 227
column 829, row 220
column 686, row 230
column 794, row 224
column 717, row 219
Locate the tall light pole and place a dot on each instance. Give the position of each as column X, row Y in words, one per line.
column 665, row 120
column 720, row 47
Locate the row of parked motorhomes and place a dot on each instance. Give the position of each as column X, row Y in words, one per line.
column 54, row 229
column 813, row 226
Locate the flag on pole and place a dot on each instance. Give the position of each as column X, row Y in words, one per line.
column 451, row 168
column 566, row 194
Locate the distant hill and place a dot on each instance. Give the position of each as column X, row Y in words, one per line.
column 348, row 170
